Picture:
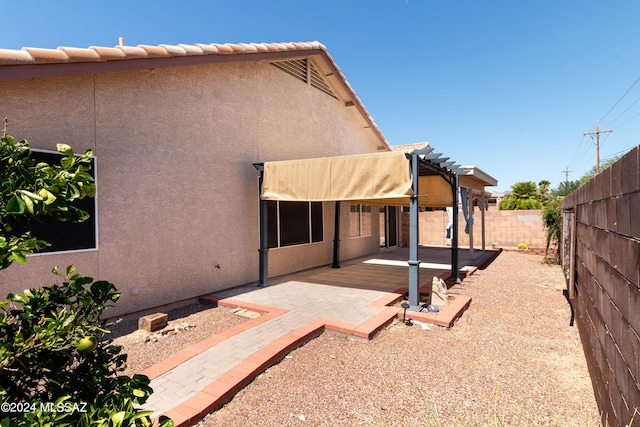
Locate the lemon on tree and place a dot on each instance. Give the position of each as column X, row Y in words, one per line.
column 87, row 344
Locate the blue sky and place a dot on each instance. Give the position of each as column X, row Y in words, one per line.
column 507, row 85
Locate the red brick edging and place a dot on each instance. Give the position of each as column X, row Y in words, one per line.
column 227, row 385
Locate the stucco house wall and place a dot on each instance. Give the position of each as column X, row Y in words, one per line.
column 177, row 192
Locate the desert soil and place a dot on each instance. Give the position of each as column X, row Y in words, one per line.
column 511, row 359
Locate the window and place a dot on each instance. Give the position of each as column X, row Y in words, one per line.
column 294, row 223
column 66, row 236
column 359, row 220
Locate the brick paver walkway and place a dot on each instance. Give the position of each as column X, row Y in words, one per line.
column 354, row 299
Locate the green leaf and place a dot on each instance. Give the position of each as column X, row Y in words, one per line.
column 31, row 195
column 15, row 206
column 73, row 191
column 19, row 298
column 48, row 196
column 28, row 203
column 89, row 190
column 139, row 393
column 118, row 418
column 166, row 421
column 18, row 257
column 70, row 270
column 67, row 162
column 64, row 149
column 82, row 280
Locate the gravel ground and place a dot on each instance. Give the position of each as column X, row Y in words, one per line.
column 203, row 321
column 512, row 359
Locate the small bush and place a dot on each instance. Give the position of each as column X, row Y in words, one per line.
column 56, row 368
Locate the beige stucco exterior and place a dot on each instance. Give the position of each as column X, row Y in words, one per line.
column 177, row 192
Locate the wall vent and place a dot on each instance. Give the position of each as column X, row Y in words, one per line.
column 305, row 71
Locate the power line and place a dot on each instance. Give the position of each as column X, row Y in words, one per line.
column 578, row 151
column 580, row 154
column 618, row 101
column 624, row 123
column 622, row 114
column 619, row 153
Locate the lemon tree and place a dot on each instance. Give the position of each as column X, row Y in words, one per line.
column 57, row 368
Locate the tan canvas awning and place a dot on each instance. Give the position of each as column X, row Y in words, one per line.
column 376, row 179
column 387, row 178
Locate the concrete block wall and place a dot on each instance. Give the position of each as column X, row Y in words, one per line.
column 504, row 228
column 607, row 284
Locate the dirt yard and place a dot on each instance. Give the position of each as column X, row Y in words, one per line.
column 511, row 356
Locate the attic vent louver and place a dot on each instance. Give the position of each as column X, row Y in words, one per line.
column 303, row 70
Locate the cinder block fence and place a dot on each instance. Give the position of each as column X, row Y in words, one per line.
column 601, row 257
column 504, row 229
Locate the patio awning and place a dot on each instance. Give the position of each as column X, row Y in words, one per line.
column 373, row 179
column 413, row 176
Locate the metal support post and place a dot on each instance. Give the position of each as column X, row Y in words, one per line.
column 336, row 237
column 454, row 238
column 414, row 262
column 263, row 279
column 483, row 208
column 472, row 254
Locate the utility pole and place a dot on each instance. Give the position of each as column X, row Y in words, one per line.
column 597, row 134
column 566, row 173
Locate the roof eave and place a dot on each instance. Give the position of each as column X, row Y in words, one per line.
column 480, row 175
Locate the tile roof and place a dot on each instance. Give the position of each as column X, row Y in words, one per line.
column 32, row 55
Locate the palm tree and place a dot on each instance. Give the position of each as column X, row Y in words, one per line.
column 543, row 188
column 524, row 195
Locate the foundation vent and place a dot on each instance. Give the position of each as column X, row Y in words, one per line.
column 304, row 70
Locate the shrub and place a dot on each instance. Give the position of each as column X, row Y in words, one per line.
column 32, row 190
column 552, row 218
column 56, row 368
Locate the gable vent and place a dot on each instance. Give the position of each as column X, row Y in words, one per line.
column 303, row 70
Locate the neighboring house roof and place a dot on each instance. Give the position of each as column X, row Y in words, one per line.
column 408, row 148
column 30, row 62
column 479, row 176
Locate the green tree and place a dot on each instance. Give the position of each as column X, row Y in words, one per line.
column 56, row 367
column 592, row 172
column 524, row 195
column 31, row 190
column 543, row 188
column 552, row 215
column 565, row 188
column 552, row 219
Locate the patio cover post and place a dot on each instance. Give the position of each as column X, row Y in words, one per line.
column 263, row 275
column 336, row 237
column 472, row 254
column 482, row 215
column 454, row 238
column 414, row 262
